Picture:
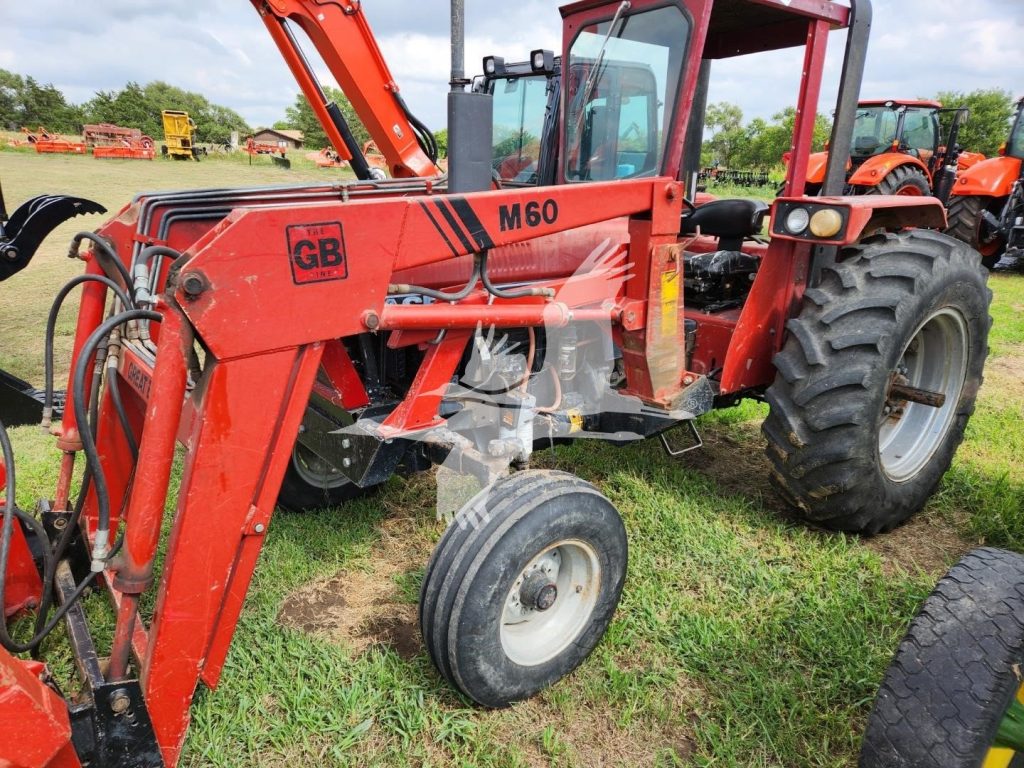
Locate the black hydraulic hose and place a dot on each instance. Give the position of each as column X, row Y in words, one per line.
column 88, row 442
column 10, row 510
column 515, row 293
column 423, row 134
column 122, row 415
column 105, row 251
column 441, row 295
column 51, row 325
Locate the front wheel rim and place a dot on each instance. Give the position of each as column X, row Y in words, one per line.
column 531, row 635
column 935, row 359
column 316, row 471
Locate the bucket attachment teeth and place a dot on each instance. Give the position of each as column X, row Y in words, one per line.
column 23, row 233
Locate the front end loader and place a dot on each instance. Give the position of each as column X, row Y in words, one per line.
column 330, row 335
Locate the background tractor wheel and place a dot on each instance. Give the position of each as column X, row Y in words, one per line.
column 965, row 224
column 900, row 319
column 522, row 585
column 902, row 180
column 953, row 690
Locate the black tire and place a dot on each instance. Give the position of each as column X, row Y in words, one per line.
column 956, row 671
column 483, row 555
column 829, row 399
column 304, row 489
column 902, row 180
column 964, row 223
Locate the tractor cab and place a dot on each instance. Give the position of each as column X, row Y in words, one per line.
column 891, row 126
column 898, row 147
column 1015, row 144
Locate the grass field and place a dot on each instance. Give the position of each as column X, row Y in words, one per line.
column 743, row 638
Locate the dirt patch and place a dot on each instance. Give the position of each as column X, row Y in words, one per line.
column 925, row 543
column 585, row 736
column 364, row 608
column 1004, row 375
column 736, row 463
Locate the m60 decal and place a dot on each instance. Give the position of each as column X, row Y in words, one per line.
column 534, row 213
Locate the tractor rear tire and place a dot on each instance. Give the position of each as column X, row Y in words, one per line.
column 956, row 671
column 965, row 220
column 909, row 309
column 902, row 180
column 522, row 586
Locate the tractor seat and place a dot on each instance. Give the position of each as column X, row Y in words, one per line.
column 729, row 220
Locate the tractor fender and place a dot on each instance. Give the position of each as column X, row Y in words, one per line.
column 874, row 169
column 991, row 178
column 892, row 212
column 816, row 163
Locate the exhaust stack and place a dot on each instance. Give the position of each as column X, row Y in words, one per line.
column 469, row 119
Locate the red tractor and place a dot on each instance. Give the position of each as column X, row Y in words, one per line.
column 304, row 343
column 986, row 207
column 897, row 149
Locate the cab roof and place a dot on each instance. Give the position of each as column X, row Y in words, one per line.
column 900, row 103
column 739, row 27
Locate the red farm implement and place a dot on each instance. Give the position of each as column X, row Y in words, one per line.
column 558, row 283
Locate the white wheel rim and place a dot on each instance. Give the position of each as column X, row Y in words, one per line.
column 531, row 636
column 935, row 359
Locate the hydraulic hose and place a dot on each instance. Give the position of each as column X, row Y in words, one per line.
column 100, row 550
column 10, row 511
column 515, row 293
column 105, row 254
column 51, row 325
column 474, row 278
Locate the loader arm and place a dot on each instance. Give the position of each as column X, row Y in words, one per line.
column 343, row 38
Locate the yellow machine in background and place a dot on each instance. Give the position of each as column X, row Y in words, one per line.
column 179, row 135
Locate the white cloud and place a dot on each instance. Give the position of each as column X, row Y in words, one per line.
column 220, row 48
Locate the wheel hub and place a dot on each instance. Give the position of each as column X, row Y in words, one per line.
column 538, row 592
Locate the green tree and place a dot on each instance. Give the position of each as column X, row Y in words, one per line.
column 441, row 137
column 11, row 88
column 989, row 123
column 300, row 117
column 728, row 137
column 46, row 105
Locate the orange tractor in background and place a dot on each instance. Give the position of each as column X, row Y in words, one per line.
column 986, row 205
column 897, row 149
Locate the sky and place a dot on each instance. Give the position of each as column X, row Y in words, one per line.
column 221, row 49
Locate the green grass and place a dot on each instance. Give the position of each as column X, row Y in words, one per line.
column 742, row 639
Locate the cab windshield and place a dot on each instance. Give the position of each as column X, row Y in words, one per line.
column 874, row 131
column 520, row 105
column 622, row 79
column 1015, row 146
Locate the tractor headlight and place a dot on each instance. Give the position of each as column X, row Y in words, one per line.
column 826, row 223
column 542, row 61
column 493, row 65
column 797, row 220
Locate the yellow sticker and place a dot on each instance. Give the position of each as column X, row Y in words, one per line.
column 669, row 303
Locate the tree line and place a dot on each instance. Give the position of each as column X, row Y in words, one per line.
column 24, row 102
column 761, row 143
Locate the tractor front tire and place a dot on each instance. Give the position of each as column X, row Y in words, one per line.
column 902, row 180
column 522, row 586
column 965, row 224
column 311, row 483
column 956, row 672
column 897, row 312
